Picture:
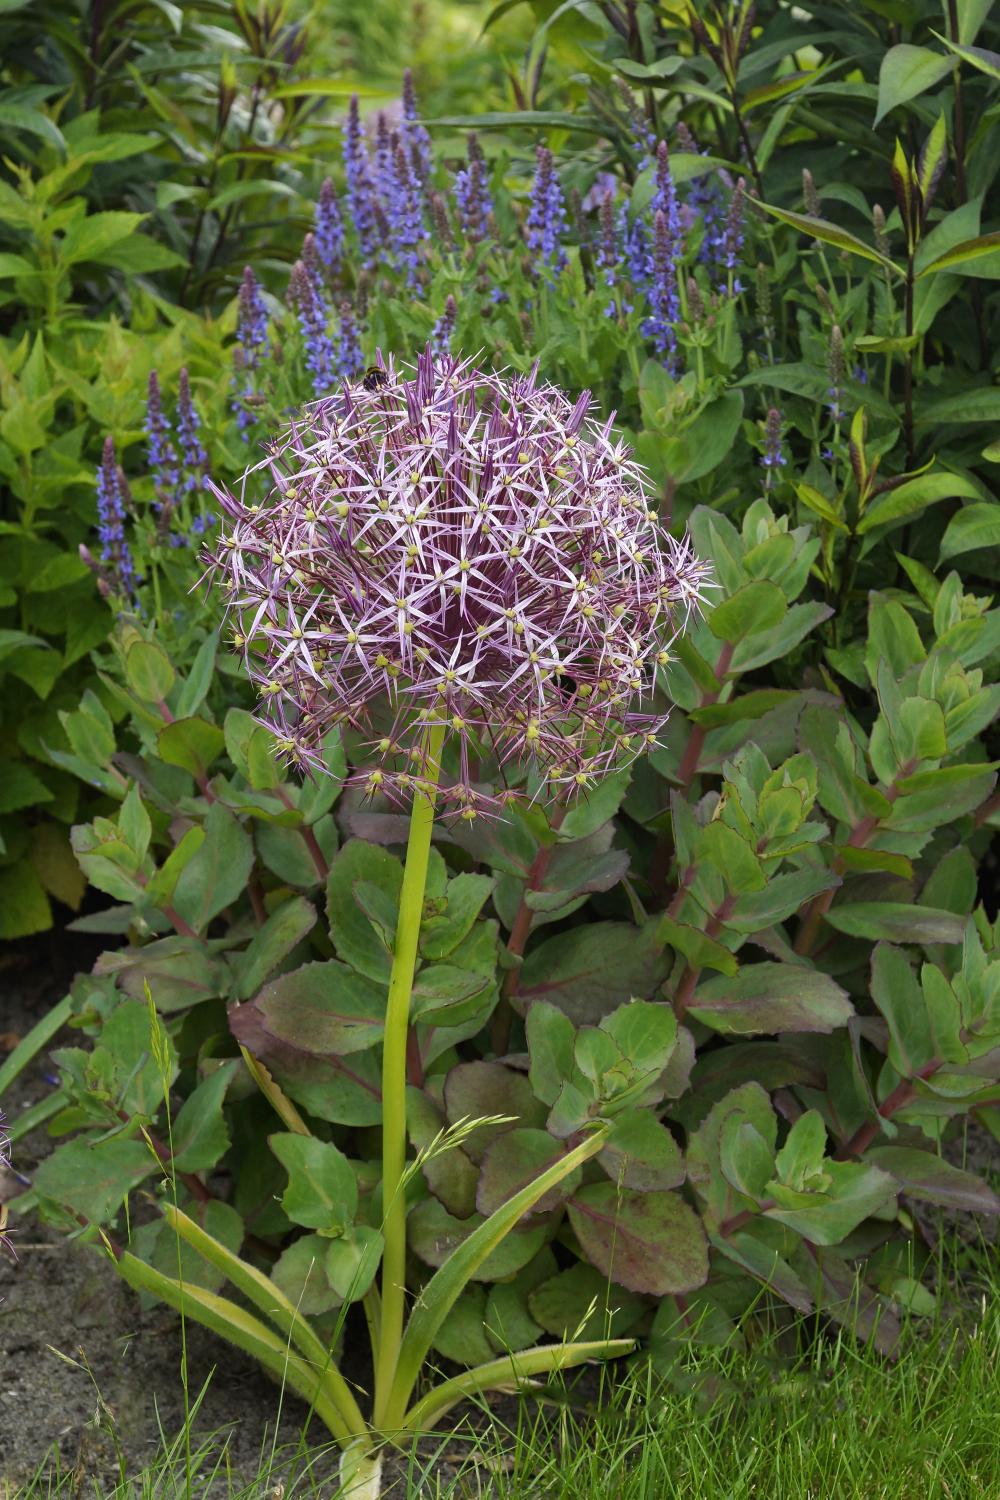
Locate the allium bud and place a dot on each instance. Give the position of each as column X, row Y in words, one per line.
column 881, row 236
column 457, row 547
column 810, row 196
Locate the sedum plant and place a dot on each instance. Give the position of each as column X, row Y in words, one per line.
column 474, row 561
column 703, row 1030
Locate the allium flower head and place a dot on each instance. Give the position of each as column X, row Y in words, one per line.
column 462, row 548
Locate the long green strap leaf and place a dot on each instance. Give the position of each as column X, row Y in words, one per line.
column 445, row 1287
column 273, row 1303
column 33, row 1043
column 508, row 1373
column 241, row 1328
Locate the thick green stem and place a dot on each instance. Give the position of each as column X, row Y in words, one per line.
column 397, row 1018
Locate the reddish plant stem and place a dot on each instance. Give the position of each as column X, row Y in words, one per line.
column 414, row 1062
column 898, row 1099
column 177, row 922
column 256, row 895
column 688, row 770
column 730, row 1226
column 818, row 907
column 193, row 1183
column 524, row 918
column 308, row 837
column 986, row 809
column 689, row 979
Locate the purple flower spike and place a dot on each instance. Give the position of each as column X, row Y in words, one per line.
column 472, row 196
column 663, row 294
column 383, row 156
column 329, row 228
column 456, row 547
column 360, row 194
column 350, row 359
column 188, row 422
column 310, row 305
column 406, row 216
column 160, row 454
column 111, row 522
column 444, row 327
column 252, row 346
column 416, row 134
column 546, row 222
column 732, row 238
column 773, row 456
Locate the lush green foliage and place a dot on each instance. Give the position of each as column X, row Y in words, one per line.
column 760, row 961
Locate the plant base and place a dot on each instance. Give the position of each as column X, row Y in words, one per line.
column 361, row 1472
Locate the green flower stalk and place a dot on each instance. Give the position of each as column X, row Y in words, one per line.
column 476, row 560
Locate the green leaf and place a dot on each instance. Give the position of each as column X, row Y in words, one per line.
column 322, row 1009
column 978, row 57
column 767, row 645
column 924, row 1021
column 578, row 1302
column 642, row 1154
column 817, row 502
column 700, row 950
column 217, row 874
column 233, row 1323
column 830, row 234
column 589, row 970
column 283, row 931
column 960, row 255
column 148, row 672
column 931, row 1179
column 854, row 1193
column 90, row 237
column 194, row 689
column 913, row 496
column 550, row 1036
column 974, row 526
column 355, row 938
column 513, row 1161
column 645, row 1242
column 645, row 1032
column 192, row 744
column 300, row 1276
column 772, row 997
column 322, row 1191
column 757, row 606
column 200, row 1135
column 20, row 787
column 93, row 1178
column 441, row 931
column 896, row 922
column 477, row 1090
column 905, row 73
column 436, row 1235
column 352, row 1261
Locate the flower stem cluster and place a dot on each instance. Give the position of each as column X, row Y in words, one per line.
column 464, row 549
